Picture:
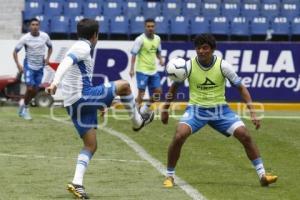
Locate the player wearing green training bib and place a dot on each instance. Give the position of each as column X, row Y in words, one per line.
column 145, row 51
column 207, row 105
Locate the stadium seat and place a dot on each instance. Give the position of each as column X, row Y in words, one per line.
column 151, row 9
column 92, row 8
column 280, row 26
column 290, row 9
column 259, row 26
column 53, row 8
column 211, row 8
column 295, row 26
column 250, row 9
column 220, row 26
column 44, row 23
column 179, row 25
column 73, row 23
column 231, row 8
column 270, row 10
column 199, row 24
column 33, row 8
column 112, row 9
column 119, row 25
column 171, row 8
column 104, row 25
column 190, row 8
column 162, row 25
column 240, row 26
column 132, row 8
column 59, row 24
column 73, row 8
column 271, row 1
column 137, row 25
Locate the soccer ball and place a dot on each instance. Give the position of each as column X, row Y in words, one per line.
column 177, row 69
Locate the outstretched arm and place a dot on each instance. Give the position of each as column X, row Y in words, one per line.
column 248, row 100
column 169, row 98
column 61, row 70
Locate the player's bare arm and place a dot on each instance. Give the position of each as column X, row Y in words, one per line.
column 131, row 72
column 16, row 59
column 248, row 100
column 50, row 50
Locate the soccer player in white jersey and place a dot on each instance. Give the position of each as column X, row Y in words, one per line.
column 82, row 99
column 145, row 51
column 34, row 42
column 207, row 105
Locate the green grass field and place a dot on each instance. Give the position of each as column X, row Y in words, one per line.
column 37, row 160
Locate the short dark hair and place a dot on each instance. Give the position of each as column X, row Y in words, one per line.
column 86, row 28
column 34, row 20
column 205, row 39
column 149, row 20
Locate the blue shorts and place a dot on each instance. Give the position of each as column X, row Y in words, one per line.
column 221, row 118
column 144, row 80
column 84, row 111
column 33, row 77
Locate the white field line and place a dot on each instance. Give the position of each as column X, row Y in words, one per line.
column 188, row 189
column 64, row 158
column 142, row 153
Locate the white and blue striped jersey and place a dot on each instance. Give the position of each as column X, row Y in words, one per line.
column 79, row 76
column 34, row 48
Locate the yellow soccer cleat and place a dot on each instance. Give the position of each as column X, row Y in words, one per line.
column 77, row 190
column 169, row 182
column 268, row 179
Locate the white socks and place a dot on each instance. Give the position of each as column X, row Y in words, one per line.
column 83, row 160
column 129, row 103
column 259, row 166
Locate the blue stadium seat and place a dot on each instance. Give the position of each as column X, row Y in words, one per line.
column 162, row 25
column 250, row 9
column 53, row 8
column 295, row 26
column 211, row 9
column 280, row 26
column 104, row 25
column 231, row 8
column 171, row 8
column 119, row 25
column 132, row 8
column 271, row 1
column 199, row 24
column 240, row 26
column 112, row 8
column 73, row 23
column 44, row 23
column 137, row 25
column 190, row 8
column 32, row 8
column 73, row 7
column 259, row 26
column 290, row 9
column 92, row 8
column 220, row 26
column 59, row 24
column 151, row 9
column 179, row 25
column 270, row 10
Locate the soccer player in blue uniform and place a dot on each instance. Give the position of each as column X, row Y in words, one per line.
column 82, row 99
column 207, row 105
column 34, row 42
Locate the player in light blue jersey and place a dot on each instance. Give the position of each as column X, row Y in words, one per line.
column 82, row 99
column 34, row 42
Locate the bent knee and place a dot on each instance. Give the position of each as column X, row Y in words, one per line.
column 122, row 87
